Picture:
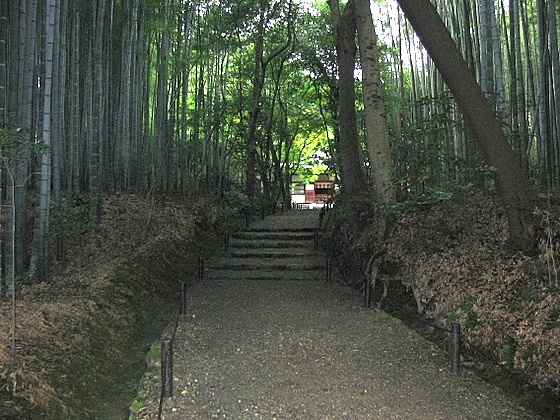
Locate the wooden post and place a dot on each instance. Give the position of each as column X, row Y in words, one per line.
column 167, row 367
column 200, row 268
column 455, row 348
column 183, row 299
column 367, row 292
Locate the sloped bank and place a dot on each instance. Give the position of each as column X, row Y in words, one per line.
column 449, row 261
column 82, row 337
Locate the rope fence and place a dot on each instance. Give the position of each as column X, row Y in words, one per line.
column 167, row 342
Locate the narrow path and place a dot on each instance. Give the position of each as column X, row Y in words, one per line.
column 290, row 349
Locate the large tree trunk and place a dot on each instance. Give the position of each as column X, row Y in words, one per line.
column 377, row 136
column 513, row 185
column 344, row 28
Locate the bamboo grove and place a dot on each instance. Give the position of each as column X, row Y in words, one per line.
column 210, row 96
column 512, row 46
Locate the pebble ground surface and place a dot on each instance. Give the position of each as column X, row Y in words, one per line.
column 256, row 349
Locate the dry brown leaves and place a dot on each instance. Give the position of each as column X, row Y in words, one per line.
column 455, row 257
column 52, row 317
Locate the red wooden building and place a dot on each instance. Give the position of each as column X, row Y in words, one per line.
column 316, row 192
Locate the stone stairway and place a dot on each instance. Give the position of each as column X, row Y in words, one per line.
column 280, row 247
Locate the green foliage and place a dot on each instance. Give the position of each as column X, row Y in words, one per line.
column 153, row 359
column 154, row 355
column 466, row 314
column 467, row 304
column 481, row 367
column 452, row 319
column 507, row 350
column 136, row 406
column 530, row 353
column 11, row 134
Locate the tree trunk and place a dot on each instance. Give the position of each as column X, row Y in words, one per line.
column 97, row 118
column 513, row 185
column 543, row 84
column 258, row 84
column 40, row 252
column 377, row 136
column 555, row 94
column 486, row 82
column 161, row 118
column 497, row 60
column 4, row 31
column 351, row 162
column 261, row 64
column 60, row 73
column 17, row 197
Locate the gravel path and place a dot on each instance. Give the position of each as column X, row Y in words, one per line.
column 309, row 350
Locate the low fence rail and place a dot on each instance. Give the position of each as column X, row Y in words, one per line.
column 168, row 341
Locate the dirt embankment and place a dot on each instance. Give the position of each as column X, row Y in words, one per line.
column 451, row 259
column 81, row 338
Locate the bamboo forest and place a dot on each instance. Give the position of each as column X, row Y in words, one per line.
column 135, row 133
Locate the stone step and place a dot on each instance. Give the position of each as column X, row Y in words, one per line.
column 280, row 229
column 262, row 252
column 274, row 235
column 246, row 243
column 280, row 275
column 267, row 263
